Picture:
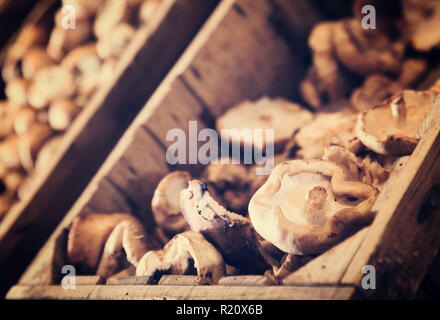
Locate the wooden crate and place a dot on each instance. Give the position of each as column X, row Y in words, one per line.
column 147, row 59
column 240, row 53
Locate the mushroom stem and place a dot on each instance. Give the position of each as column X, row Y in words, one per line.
column 398, row 111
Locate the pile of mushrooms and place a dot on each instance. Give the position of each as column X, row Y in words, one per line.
column 334, row 152
column 50, row 76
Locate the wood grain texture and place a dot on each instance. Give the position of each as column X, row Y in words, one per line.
column 245, row 281
column 96, row 130
column 403, row 239
column 181, row 293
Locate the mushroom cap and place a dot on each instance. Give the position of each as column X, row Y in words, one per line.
column 36, row 59
column 390, row 128
column 229, row 232
column 165, row 203
column 50, row 83
column 376, row 88
column 148, row 10
column 305, row 207
column 176, row 256
column 16, row 91
column 278, row 114
column 87, row 237
column 364, row 53
column 327, row 128
column 128, row 239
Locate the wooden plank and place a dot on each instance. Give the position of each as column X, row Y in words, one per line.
column 131, row 280
column 89, row 280
column 179, row 280
column 95, row 132
column 403, row 240
column 329, row 267
column 245, row 281
column 244, row 49
column 181, row 293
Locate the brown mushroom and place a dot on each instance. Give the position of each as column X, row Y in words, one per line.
column 16, row 90
column 30, row 36
column 114, row 43
column 412, row 71
column 63, row 40
column 129, row 238
column 165, row 203
column 36, row 59
column 9, row 155
column 110, row 15
column 89, row 233
column 390, row 128
column 365, row 53
column 61, row 114
column 24, row 119
column 229, row 232
column 375, row 89
column 327, row 128
column 280, row 115
column 186, row 253
column 30, row 143
column 7, row 118
column 49, row 84
column 326, row 82
column 148, row 10
column 305, row 207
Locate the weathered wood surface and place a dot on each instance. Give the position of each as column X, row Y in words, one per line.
column 108, row 292
column 96, row 130
column 189, row 93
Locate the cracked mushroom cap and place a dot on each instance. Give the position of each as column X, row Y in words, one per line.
column 92, row 234
column 165, row 203
column 390, row 128
column 229, row 232
column 278, row 114
column 305, row 207
column 181, row 255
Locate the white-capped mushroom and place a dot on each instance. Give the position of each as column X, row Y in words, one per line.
column 54, row 82
column 279, row 115
column 186, row 253
column 229, row 232
column 90, row 234
column 165, row 203
column 305, row 207
column 390, row 128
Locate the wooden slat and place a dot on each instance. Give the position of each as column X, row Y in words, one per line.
column 131, row 280
column 180, row 292
column 96, row 130
column 403, row 240
column 176, row 280
column 245, row 281
column 89, row 280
